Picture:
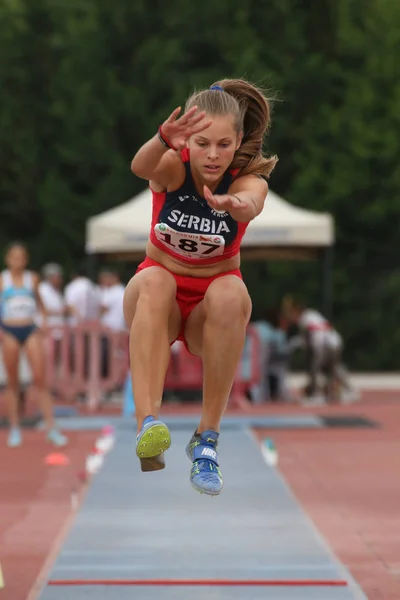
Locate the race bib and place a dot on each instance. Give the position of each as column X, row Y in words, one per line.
column 191, row 245
column 19, row 308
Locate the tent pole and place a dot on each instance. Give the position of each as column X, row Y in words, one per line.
column 92, row 264
column 327, row 283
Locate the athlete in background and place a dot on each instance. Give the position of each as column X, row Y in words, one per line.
column 20, row 301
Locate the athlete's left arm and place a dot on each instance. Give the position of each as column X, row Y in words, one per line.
column 244, row 200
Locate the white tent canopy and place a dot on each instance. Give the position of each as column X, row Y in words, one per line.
column 125, row 228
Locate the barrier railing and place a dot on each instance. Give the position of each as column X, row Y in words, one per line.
column 86, row 360
column 246, row 380
column 185, row 371
column 90, row 360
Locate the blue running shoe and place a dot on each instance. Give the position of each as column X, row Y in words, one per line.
column 205, row 475
column 151, row 442
column 57, row 438
column 14, row 437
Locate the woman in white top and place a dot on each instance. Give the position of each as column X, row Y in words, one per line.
column 50, row 290
column 20, row 301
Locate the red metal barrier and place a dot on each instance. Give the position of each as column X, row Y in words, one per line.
column 238, row 397
column 77, row 357
column 87, row 359
column 186, row 372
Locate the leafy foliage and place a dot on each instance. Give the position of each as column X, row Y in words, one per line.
column 84, row 84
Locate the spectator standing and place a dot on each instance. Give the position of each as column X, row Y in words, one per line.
column 50, row 290
column 323, row 345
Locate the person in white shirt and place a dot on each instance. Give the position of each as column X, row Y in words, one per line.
column 81, row 298
column 111, row 308
column 324, row 347
column 83, row 305
column 111, row 300
column 50, row 292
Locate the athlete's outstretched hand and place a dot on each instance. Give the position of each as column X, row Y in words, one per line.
column 223, row 201
column 178, row 131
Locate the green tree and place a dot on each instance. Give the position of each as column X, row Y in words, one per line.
column 84, row 84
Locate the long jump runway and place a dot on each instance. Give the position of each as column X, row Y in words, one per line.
column 151, row 536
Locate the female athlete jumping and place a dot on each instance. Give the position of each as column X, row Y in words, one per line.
column 208, row 176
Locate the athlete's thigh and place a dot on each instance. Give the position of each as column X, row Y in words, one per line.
column 35, row 353
column 228, row 295
column 11, row 352
column 194, row 329
column 160, row 288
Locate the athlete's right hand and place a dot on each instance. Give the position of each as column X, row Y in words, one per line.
column 178, row 131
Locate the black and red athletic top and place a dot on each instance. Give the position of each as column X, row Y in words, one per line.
column 187, row 228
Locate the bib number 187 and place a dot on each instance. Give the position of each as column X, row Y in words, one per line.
column 192, row 245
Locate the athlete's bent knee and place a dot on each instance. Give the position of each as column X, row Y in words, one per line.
column 227, row 300
column 157, row 291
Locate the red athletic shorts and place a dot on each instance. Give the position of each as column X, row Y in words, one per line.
column 189, row 290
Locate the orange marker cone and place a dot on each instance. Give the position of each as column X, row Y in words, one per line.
column 57, row 459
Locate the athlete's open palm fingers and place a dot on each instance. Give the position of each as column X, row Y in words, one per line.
column 201, row 125
column 189, row 116
column 221, row 201
column 173, row 116
column 178, row 131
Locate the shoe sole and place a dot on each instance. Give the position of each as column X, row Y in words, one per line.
column 206, row 492
column 151, row 446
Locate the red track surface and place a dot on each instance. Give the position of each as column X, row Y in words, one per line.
column 347, row 481
column 35, row 502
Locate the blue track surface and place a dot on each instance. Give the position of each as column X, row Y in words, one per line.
column 154, row 526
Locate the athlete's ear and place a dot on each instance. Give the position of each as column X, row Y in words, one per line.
column 239, row 140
